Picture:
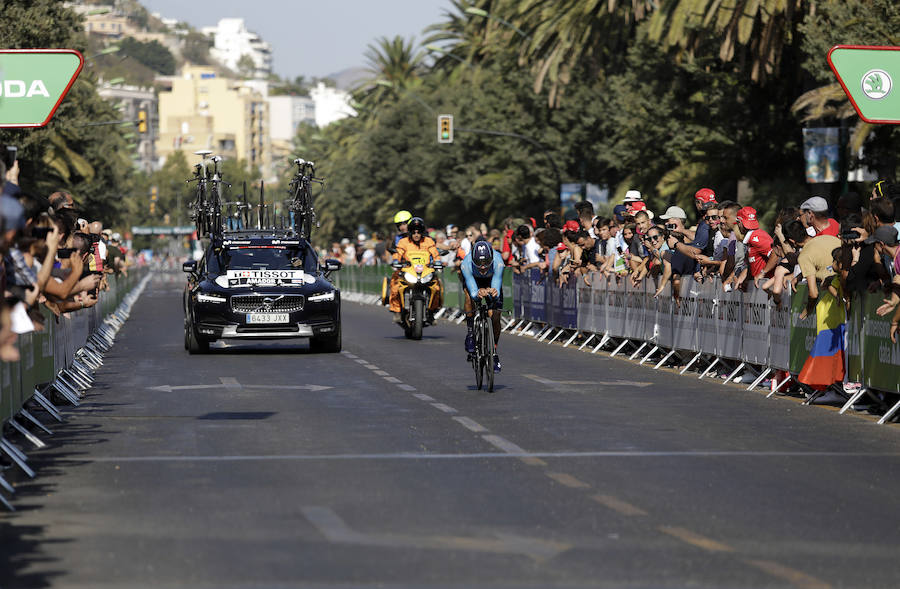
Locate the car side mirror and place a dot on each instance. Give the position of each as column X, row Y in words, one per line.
column 189, row 267
column 332, row 265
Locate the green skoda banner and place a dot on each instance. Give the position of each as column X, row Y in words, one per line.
column 33, row 83
column 868, row 76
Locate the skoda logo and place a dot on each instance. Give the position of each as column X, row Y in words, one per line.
column 877, row 84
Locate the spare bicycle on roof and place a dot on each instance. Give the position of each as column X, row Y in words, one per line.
column 213, row 215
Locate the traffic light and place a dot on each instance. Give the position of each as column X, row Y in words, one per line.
column 445, row 128
column 152, row 199
column 142, row 121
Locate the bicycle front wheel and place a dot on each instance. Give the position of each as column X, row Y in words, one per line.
column 488, row 343
column 477, row 359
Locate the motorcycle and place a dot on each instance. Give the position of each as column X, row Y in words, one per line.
column 420, row 288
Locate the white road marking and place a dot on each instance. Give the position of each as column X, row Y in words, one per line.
column 620, row 383
column 349, row 355
column 381, row 373
column 423, row 397
column 336, row 530
column 470, row 424
column 361, row 361
column 480, row 456
column 393, row 379
column 230, row 382
column 444, row 408
column 406, row 387
column 504, row 444
column 371, row 367
column 307, row 387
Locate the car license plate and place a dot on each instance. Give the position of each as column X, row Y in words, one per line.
column 267, row 317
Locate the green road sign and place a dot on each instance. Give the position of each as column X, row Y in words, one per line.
column 33, row 83
column 869, row 76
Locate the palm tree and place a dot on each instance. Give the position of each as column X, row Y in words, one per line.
column 395, row 64
column 756, row 30
column 565, row 35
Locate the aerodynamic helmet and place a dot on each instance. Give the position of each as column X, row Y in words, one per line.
column 482, row 254
column 402, row 217
column 417, row 224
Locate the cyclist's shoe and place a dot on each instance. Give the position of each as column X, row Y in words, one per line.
column 470, row 342
column 496, row 363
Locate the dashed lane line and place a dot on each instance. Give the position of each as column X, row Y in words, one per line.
column 424, row 397
column 470, row 424
column 509, row 447
column 567, row 480
column 444, row 408
column 382, row 373
column 392, row 379
column 792, row 576
column 617, row 505
column 405, row 387
column 695, row 539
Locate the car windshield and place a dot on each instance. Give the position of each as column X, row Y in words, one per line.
column 269, row 258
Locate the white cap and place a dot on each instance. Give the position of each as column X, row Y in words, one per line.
column 116, row 237
column 674, row 213
column 633, row 196
column 361, row 237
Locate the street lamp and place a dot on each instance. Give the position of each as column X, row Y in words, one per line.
column 485, row 14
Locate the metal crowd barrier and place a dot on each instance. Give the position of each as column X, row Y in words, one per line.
column 743, row 328
column 367, row 280
column 59, row 358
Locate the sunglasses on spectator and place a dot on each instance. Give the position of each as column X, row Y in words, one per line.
column 470, row 234
column 713, row 217
column 655, row 237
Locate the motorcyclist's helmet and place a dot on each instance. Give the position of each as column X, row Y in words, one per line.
column 482, row 255
column 402, row 217
column 416, row 224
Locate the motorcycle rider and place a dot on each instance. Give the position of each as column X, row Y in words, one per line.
column 482, row 272
column 415, row 241
column 401, row 220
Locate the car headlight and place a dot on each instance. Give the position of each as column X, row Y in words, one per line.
column 410, row 277
column 210, row 298
column 426, row 278
column 321, row 296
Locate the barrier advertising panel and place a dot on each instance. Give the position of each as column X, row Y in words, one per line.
column 803, row 333
column 684, row 317
column 779, row 334
column 729, row 323
column 756, row 319
column 615, row 308
column 881, row 361
column 583, row 293
column 707, row 316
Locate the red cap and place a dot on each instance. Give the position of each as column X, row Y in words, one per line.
column 747, row 217
column 572, row 226
column 705, row 195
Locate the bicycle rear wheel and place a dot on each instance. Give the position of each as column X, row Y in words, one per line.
column 488, row 343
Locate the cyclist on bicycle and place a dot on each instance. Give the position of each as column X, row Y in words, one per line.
column 482, row 272
column 416, row 241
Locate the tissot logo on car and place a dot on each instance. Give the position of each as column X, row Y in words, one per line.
column 267, row 274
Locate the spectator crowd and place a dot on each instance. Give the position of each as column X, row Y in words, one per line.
column 52, row 259
column 718, row 239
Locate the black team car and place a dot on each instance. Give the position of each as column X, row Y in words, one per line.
column 261, row 284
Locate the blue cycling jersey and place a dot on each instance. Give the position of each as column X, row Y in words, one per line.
column 475, row 278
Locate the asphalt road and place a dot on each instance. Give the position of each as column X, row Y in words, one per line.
column 264, row 465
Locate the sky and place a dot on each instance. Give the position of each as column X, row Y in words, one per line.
column 313, row 38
